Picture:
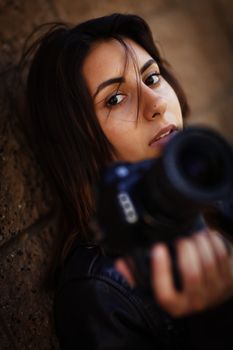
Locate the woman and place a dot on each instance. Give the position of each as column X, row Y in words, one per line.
column 100, row 92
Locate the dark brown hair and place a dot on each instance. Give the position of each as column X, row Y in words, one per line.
column 70, row 145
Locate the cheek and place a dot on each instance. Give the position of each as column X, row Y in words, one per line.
column 174, row 104
column 118, row 124
column 177, row 107
column 117, row 133
column 121, row 135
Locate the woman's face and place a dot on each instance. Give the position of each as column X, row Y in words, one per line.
column 136, row 130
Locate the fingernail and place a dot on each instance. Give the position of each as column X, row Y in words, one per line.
column 157, row 252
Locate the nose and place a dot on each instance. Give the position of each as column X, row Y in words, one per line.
column 154, row 105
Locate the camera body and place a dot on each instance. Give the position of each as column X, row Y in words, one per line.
column 160, row 199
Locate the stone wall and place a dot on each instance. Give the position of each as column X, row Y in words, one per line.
column 195, row 36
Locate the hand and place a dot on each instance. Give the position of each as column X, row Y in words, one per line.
column 206, row 269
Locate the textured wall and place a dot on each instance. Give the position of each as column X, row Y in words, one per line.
column 196, row 36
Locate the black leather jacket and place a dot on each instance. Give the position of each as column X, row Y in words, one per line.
column 95, row 308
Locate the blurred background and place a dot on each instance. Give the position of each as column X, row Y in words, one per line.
column 195, row 36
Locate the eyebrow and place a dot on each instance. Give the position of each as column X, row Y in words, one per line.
column 147, row 65
column 120, row 80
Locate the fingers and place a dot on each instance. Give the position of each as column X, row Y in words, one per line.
column 221, row 253
column 224, row 258
column 216, row 264
column 192, row 275
column 122, row 267
column 206, row 270
column 212, row 280
column 162, row 282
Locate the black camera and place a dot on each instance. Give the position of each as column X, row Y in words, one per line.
column 160, row 199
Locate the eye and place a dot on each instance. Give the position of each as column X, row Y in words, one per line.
column 115, row 99
column 152, row 79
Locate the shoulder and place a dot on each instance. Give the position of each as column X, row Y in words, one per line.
column 88, row 263
column 89, row 274
column 93, row 299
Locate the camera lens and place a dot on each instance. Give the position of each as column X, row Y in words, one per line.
column 202, row 168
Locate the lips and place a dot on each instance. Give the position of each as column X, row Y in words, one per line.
column 163, row 134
